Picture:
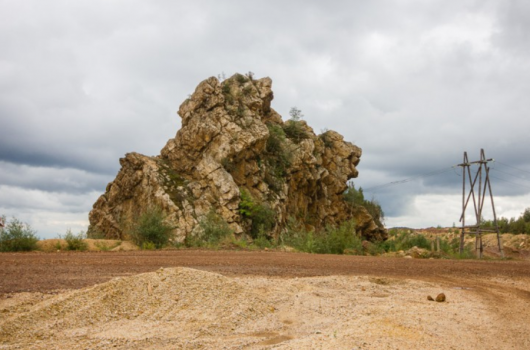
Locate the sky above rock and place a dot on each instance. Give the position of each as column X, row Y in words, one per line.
column 413, row 83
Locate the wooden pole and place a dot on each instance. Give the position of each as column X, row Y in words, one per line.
column 478, row 203
column 495, row 222
column 463, row 217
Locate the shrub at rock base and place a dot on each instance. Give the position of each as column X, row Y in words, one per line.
column 213, row 230
column 333, row 240
column 150, row 229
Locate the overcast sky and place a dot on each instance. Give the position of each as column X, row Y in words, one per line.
column 413, row 83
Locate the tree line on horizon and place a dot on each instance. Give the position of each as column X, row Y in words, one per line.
column 512, row 225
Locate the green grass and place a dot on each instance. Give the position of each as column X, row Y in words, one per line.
column 332, row 240
column 403, row 240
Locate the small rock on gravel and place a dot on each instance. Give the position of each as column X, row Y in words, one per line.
column 440, row 298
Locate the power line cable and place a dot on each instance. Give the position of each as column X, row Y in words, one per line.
column 511, row 182
column 510, row 166
column 441, row 171
column 403, row 181
column 505, row 172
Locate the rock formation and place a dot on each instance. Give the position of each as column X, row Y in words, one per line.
column 234, row 155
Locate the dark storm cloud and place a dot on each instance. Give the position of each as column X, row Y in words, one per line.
column 50, row 179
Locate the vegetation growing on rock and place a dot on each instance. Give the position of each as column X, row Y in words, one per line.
column 235, row 158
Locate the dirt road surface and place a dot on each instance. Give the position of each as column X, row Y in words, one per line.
column 297, row 301
column 44, row 272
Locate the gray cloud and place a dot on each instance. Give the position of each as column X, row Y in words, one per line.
column 60, row 180
column 415, row 84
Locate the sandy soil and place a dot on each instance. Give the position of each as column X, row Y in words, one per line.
column 259, row 300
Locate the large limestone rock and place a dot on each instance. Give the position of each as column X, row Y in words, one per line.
column 234, row 147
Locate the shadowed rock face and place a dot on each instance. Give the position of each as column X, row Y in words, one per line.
column 231, row 143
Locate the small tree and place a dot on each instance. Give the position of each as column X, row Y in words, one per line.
column 526, row 215
column 17, row 236
column 295, row 114
column 294, row 129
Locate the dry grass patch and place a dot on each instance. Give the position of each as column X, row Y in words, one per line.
column 93, row 245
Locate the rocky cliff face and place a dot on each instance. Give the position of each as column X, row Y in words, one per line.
column 234, row 155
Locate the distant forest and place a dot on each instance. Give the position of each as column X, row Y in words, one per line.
column 512, row 225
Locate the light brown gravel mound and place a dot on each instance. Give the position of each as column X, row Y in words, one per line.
column 181, row 308
column 179, row 299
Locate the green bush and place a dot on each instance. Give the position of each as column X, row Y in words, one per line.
column 148, row 245
column 75, row 242
column 262, row 241
column 262, row 217
column 326, row 139
column 151, row 229
column 356, row 198
column 276, row 140
column 17, row 236
column 415, row 240
column 213, row 230
column 277, row 158
column 226, row 89
column 241, row 79
column 331, row 240
column 405, row 239
column 342, row 238
column 467, row 253
column 374, row 248
column 452, row 249
column 294, row 130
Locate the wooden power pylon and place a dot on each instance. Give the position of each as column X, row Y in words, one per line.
column 478, row 197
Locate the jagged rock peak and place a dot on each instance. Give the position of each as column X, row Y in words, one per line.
column 234, row 150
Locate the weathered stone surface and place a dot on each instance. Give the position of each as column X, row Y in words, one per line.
column 231, row 140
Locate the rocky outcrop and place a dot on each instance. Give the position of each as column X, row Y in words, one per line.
column 235, row 155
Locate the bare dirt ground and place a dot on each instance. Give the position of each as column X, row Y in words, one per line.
column 196, row 299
